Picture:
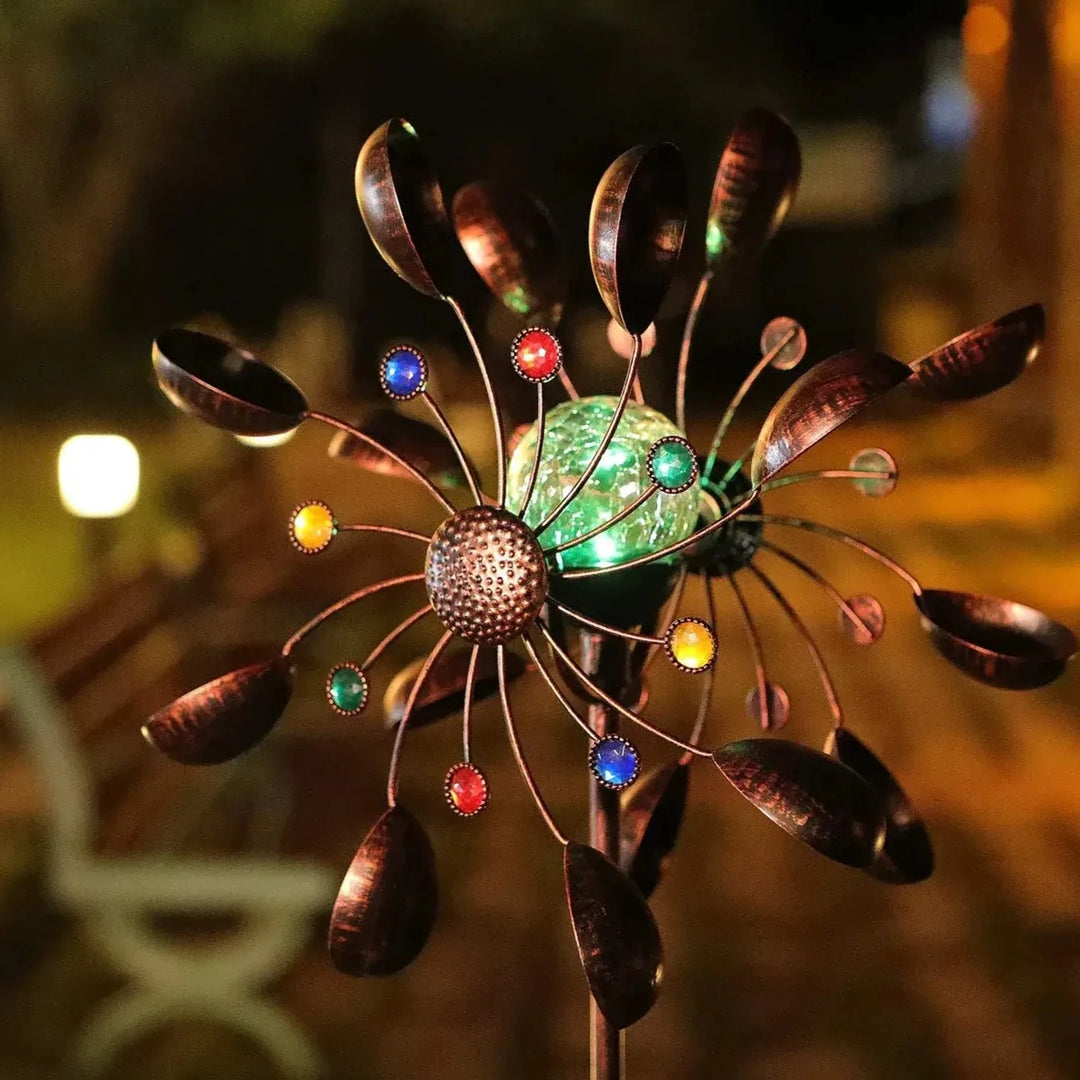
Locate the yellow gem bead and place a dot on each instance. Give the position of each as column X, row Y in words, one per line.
column 691, row 644
column 312, row 527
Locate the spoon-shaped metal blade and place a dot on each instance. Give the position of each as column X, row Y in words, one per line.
column 816, row 799
column 224, row 717
column 402, row 205
column 754, row 187
column 386, row 906
column 982, row 360
column 421, row 445
column 819, row 402
column 511, row 241
column 996, row 641
column 652, row 814
column 636, row 231
column 616, row 935
column 443, row 692
column 225, row 386
column 907, row 856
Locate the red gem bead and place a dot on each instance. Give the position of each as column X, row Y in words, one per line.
column 537, row 354
column 466, row 790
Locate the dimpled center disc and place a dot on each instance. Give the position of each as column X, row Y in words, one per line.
column 485, row 575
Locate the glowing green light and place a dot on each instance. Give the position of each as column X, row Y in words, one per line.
column 517, row 300
column 572, row 434
column 714, row 239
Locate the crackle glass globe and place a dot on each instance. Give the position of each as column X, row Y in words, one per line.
column 572, row 433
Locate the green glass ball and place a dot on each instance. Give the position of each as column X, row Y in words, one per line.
column 572, row 433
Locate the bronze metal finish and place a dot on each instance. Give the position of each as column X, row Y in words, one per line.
column 402, row 206
column 386, row 906
column 982, row 360
column 443, row 692
column 636, row 228
column 814, row 798
column 223, row 718
column 652, row 814
column 485, row 574
column 616, row 935
column 418, row 444
column 906, row 856
column 755, row 185
column 225, row 386
column 823, row 399
column 511, row 241
column 996, row 641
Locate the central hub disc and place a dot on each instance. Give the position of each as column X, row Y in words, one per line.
column 485, row 575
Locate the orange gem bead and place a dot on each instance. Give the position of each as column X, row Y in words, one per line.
column 691, row 644
column 312, row 527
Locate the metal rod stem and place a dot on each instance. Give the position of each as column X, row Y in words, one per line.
column 736, row 401
column 622, row 710
column 466, row 714
column 605, row 442
column 388, row 529
column 459, row 450
column 827, row 684
column 538, row 453
column 710, row 675
column 394, row 634
column 844, row 538
column 604, row 628
column 399, row 735
column 344, row 602
column 607, row 1044
column 684, row 348
column 827, row 474
column 764, row 703
column 819, row 579
column 556, row 689
column 519, row 757
column 568, row 385
column 356, row 433
column 493, row 402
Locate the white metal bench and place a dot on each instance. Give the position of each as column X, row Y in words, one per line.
column 116, row 899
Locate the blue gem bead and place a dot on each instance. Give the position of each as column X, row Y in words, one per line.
column 614, row 761
column 404, row 372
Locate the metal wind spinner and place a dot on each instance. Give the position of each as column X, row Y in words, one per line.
column 600, row 513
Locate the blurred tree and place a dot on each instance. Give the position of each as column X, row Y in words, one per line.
column 87, row 90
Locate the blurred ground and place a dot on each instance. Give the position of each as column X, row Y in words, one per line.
column 778, row 963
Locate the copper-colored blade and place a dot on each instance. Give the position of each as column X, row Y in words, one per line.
column 224, row 385
column 511, row 241
column 421, row 445
column 402, row 205
column 222, row 718
column 754, row 187
column 652, row 814
column 443, row 692
column 982, row 360
column 386, row 906
column 616, row 935
column 817, row 800
column 1000, row 642
column 907, row 855
column 819, row 402
column 636, row 231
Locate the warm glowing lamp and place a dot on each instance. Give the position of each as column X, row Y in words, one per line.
column 265, row 442
column 98, row 475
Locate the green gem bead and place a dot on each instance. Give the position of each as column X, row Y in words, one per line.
column 672, row 464
column 347, row 689
column 572, row 433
